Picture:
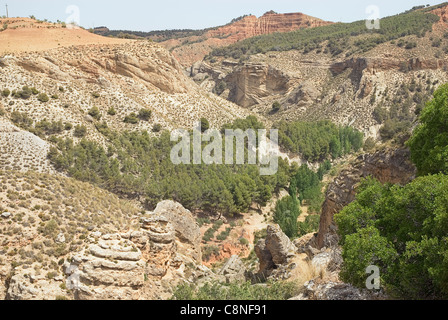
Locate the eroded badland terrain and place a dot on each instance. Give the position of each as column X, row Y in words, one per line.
column 87, row 213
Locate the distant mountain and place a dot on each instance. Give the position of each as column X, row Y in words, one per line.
column 189, row 46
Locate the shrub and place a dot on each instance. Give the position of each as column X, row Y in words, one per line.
column 429, row 144
column 42, row 97
column 156, row 127
column 286, row 212
column 48, row 128
column 25, row 93
column 95, row 113
column 144, row 114
column 236, row 291
column 276, row 106
column 205, row 125
column 209, row 251
column 21, row 119
column 131, row 118
column 80, row 131
column 402, row 230
column 6, row 93
column 111, row 111
column 369, row 144
column 220, row 88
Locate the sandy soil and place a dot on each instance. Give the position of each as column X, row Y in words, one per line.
column 25, row 35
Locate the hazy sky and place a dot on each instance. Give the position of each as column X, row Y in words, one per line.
column 194, row 14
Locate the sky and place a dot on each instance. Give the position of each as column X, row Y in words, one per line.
column 194, row 14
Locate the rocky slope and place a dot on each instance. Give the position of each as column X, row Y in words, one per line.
column 270, row 22
column 63, row 239
column 345, row 88
column 126, row 77
column 27, row 34
column 192, row 49
column 387, row 166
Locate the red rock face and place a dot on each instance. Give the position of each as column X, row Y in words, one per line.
column 251, row 26
column 443, row 14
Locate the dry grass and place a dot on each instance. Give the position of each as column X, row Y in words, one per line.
column 44, row 206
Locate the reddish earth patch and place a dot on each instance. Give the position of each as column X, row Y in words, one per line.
column 25, row 35
column 191, row 49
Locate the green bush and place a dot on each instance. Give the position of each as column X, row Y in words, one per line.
column 236, row 291
column 205, row 125
column 429, row 142
column 45, row 127
column 310, row 225
column 131, row 118
column 157, row 127
column 402, row 230
column 25, row 93
column 80, row 131
column 315, row 141
column 111, row 111
column 95, row 113
column 21, row 119
column 286, row 212
column 209, row 251
column 42, row 97
column 144, row 114
column 6, row 93
column 276, row 106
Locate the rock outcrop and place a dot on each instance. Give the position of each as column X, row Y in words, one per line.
column 116, row 266
column 21, row 150
column 187, row 232
column 274, row 252
column 393, row 166
column 374, row 65
column 189, row 50
column 111, row 269
column 270, row 22
column 336, row 291
column 25, row 284
column 251, row 82
column 138, row 264
column 233, row 270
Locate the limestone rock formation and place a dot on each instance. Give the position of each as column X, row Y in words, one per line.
column 275, row 250
column 25, row 284
column 127, row 265
column 251, row 82
column 111, row 269
column 21, row 150
column 233, row 270
column 393, row 166
column 336, row 291
column 187, row 232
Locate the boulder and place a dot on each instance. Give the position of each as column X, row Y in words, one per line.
column 110, row 270
column 233, row 270
column 274, row 251
column 279, row 245
column 188, row 234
